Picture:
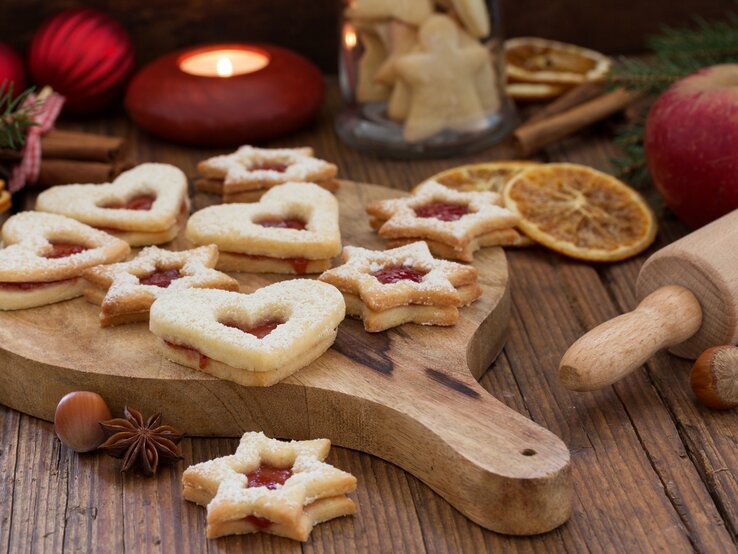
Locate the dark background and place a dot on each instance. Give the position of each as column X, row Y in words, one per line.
column 310, row 26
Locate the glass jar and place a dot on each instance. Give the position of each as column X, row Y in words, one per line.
column 422, row 78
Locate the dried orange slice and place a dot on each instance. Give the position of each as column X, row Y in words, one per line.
column 538, row 60
column 4, row 197
column 534, row 92
column 481, row 177
column 581, row 212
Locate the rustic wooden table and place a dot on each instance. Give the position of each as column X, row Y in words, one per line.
column 652, row 471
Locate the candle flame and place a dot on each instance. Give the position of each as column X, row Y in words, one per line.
column 224, row 67
column 349, row 38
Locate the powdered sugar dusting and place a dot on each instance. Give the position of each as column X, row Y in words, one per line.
column 311, row 311
column 242, row 167
column 27, row 237
column 438, row 285
column 401, row 221
column 195, row 267
column 232, row 226
column 225, row 484
column 86, row 203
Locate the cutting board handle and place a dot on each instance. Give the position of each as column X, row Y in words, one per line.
column 610, row 351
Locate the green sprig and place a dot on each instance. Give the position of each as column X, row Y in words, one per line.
column 15, row 117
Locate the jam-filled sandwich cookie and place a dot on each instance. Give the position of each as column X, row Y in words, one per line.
column 145, row 205
column 454, row 224
column 292, row 229
column 403, row 285
column 249, row 172
column 126, row 290
column 253, row 339
column 45, row 255
column 276, row 487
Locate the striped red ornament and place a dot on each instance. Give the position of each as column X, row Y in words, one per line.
column 86, row 56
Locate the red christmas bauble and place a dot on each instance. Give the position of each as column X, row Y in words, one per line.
column 85, row 55
column 11, row 69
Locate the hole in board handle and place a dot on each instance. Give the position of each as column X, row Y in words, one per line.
column 528, row 452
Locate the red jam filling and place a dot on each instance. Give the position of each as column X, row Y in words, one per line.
column 260, row 522
column 389, row 275
column 282, row 223
column 192, row 352
column 271, row 166
column 268, row 476
column 23, row 286
column 64, row 249
column 259, row 331
column 142, row 202
column 443, row 211
column 160, row 278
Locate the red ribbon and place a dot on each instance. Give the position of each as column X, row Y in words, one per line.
column 45, row 113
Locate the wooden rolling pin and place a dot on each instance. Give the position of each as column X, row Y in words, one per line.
column 689, row 292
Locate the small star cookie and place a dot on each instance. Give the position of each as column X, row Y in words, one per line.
column 403, row 285
column 246, row 174
column 45, row 255
column 441, row 80
column 126, row 290
column 277, row 487
column 454, row 224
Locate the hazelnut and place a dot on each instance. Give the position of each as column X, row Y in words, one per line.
column 77, row 420
column 714, row 377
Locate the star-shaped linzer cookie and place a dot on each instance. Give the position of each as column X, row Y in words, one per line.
column 453, row 223
column 277, row 487
column 125, row 291
column 248, row 172
column 402, row 285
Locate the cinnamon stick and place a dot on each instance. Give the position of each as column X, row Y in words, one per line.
column 74, row 145
column 531, row 137
column 572, row 97
column 62, row 172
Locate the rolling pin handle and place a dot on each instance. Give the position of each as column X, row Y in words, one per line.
column 666, row 317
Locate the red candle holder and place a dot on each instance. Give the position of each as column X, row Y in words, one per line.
column 225, row 94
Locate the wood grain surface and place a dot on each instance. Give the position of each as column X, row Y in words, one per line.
column 652, row 470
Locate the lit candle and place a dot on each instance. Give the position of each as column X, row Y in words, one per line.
column 224, row 62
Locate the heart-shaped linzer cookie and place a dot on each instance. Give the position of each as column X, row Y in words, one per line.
column 45, row 256
column 143, row 205
column 291, row 221
column 253, row 339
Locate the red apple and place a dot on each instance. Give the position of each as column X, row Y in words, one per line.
column 691, row 142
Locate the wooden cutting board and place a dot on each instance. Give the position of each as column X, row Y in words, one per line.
column 408, row 395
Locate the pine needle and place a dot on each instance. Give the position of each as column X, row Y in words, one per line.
column 15, row 117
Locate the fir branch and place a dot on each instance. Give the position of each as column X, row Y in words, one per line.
column 631, row 163
column 651, row 77
column 679, row 52
column 709, row 43
column 15, row 117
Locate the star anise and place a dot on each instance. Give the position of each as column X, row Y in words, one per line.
column 141, row 445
